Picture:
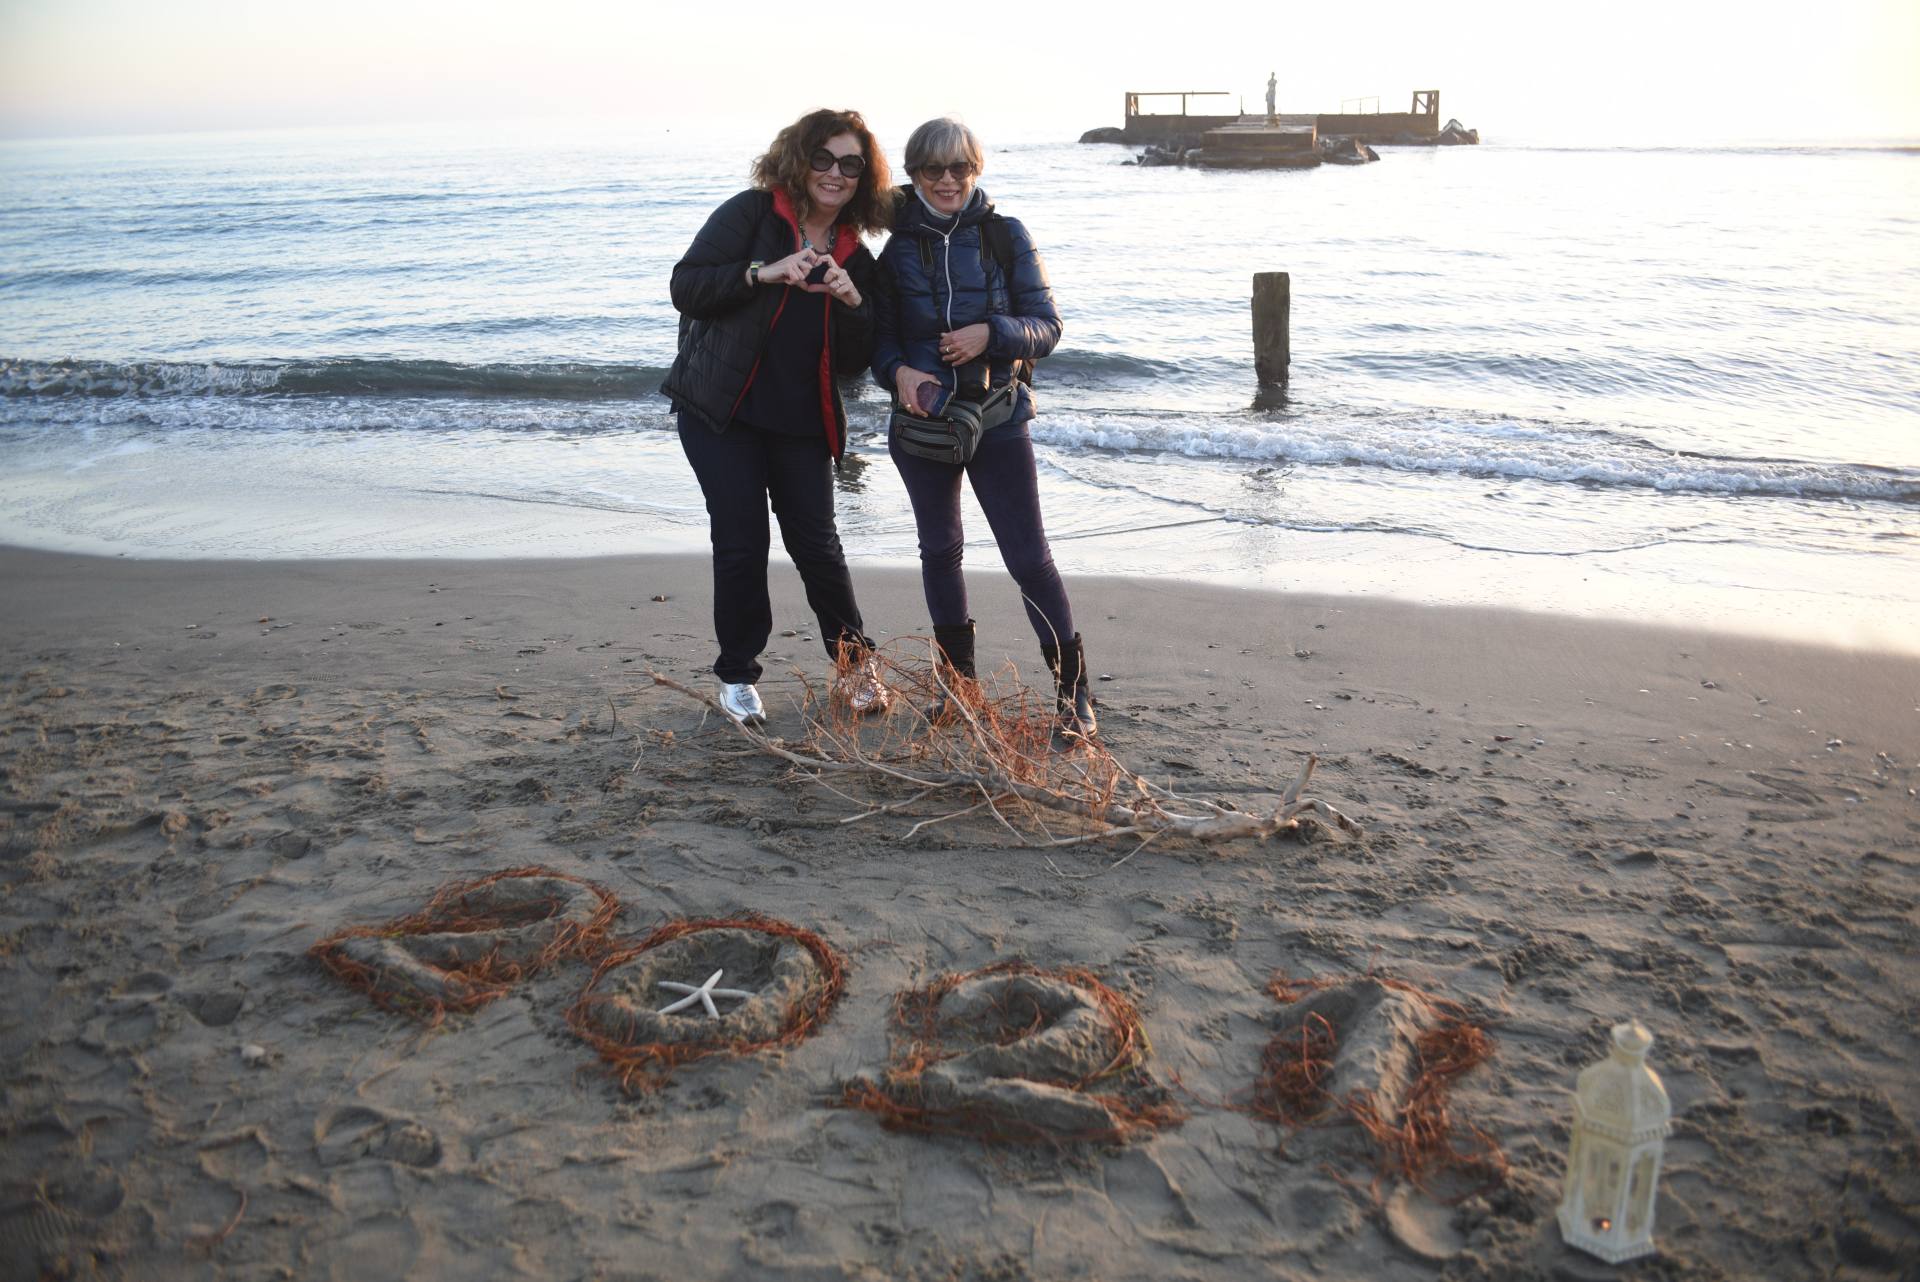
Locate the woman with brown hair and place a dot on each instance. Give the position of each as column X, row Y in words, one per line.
column 774, row 301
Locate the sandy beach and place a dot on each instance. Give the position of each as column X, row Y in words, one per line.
column 209, row 766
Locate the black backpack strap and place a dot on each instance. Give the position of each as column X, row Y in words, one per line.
column 926, row 254
column 996, row 245
column 996, row 242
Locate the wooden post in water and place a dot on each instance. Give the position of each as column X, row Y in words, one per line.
column 1272, row 300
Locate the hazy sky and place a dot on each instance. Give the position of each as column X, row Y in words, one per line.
column 1534, row 69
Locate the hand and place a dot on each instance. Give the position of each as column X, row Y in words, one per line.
column 906, row 382
column 791, row 270
column 838, row 283
column 959, row 346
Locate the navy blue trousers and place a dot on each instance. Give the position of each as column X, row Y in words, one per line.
column 741, row 471
column 1007, row 485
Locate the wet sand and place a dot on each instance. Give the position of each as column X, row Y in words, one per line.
column 210, row 766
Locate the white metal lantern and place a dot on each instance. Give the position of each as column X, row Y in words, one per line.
column 1621, row 1117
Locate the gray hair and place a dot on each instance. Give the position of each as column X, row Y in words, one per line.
column 943, row 141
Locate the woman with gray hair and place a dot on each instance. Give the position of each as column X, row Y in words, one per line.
column 961, row 313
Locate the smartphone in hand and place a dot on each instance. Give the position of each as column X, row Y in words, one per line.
column 931, row 397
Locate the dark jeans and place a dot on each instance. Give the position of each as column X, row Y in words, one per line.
column 740, row 470
column 1008, row 487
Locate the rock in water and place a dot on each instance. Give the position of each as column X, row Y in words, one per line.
column 1347, row 151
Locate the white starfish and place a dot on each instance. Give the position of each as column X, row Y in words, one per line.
column 703, row 993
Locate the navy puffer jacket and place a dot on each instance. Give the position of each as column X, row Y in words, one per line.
column 934, row 278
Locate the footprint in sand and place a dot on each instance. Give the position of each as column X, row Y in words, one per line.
column 49, row 1229
column 354, row 1132
column 291, row 844
column 36, row 1237
column 215, row 1008
column 132, row 1017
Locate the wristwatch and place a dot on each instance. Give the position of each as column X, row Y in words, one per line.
column 753, row 270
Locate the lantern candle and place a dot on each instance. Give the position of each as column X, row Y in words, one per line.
column 1621, row 1117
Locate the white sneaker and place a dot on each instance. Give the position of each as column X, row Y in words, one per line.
column 863, row 690
column 742, row 703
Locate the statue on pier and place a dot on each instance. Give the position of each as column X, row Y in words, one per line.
column 1273, row 115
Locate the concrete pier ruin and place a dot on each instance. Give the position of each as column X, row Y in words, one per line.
column 1239, row 140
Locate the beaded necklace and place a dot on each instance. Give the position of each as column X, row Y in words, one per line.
column 833, row 235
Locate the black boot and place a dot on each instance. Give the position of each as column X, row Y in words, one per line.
column 1072, row 698
column 953, row 664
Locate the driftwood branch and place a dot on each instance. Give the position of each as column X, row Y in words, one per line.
column 999, row 752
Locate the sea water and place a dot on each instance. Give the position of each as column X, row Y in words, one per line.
column 1673, row 384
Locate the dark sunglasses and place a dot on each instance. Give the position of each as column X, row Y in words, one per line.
column 959, row 171
column 851, row 166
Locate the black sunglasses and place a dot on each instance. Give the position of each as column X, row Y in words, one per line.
column 959, row 171
column 851, row 165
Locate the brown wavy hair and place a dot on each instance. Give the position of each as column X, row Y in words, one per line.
column 787, row 162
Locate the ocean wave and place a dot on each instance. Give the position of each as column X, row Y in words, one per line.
column 1500, row 448
column 589, row 399
column 372, row 377
column 1079, row 366
column 361, row 377
column 129, row 277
